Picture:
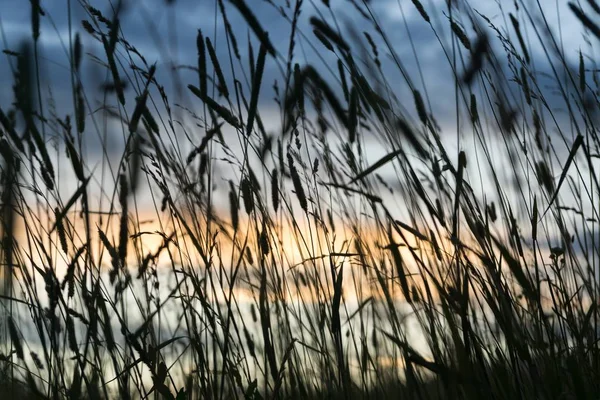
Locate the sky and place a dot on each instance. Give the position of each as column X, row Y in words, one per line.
column 165, row 32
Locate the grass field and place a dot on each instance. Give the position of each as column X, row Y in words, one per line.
column 332, row 199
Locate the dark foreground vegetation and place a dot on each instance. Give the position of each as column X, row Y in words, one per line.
column 321, row 210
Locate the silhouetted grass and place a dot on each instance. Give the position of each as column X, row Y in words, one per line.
column 277, row 226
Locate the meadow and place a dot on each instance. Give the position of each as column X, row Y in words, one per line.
column 333, row 199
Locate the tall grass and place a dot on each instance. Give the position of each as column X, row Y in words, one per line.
column 364, row 234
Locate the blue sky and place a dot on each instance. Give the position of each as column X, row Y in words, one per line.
column 166, row 34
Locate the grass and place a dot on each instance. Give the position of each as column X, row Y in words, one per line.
column 304, row 218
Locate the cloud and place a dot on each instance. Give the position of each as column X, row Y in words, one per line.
column 167, row 35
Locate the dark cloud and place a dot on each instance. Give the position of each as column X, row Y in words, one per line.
column 165, row 33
